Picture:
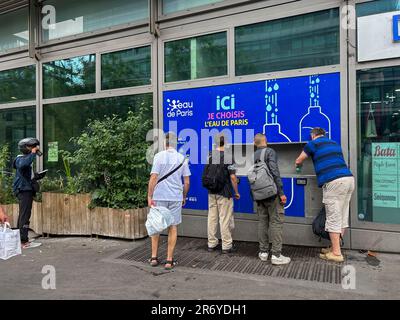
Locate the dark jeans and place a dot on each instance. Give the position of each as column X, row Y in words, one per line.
column 25, row 210
column 271, row 217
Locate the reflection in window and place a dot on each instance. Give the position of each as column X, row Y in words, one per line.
column 74, row 16
column 62, row 121
column 170, row 6
column 69, row 77
column 375, row 7
column 127, row 68
column 304, row 41
column 16, row 124
column 18, row 84
column 379, row 145
column 14, row 29
column 194, row 58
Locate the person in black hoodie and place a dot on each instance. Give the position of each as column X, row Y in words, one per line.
column 23, row 187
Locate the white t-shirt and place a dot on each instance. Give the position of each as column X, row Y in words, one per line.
column 170, row 189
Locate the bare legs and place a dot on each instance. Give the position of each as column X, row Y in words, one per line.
column 172, row 237
column 335, row 241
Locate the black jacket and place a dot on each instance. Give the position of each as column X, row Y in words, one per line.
column 23, row 176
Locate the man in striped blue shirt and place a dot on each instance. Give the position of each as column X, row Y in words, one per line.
column 337, row 183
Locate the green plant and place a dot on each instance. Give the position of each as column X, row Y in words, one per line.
column 111, row 160
column 6, row 178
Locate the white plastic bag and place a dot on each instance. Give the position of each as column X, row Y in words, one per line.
column 158, row 219
column 10, row 242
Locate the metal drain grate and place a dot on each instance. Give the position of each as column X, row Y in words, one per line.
column 192, row 253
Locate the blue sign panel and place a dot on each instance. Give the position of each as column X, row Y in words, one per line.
column 396, row 34
column 284, row 109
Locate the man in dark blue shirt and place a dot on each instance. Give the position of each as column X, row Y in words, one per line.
column 337, row 183
column 23, row 188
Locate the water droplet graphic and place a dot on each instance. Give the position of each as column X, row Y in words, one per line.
column 312, row 95
column 269, row 108
column 276, row 110
column 312, row 82
column 317, row 80
column 276, row 86
column 269, row 89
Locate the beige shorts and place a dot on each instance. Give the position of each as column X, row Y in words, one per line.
column 336, row 197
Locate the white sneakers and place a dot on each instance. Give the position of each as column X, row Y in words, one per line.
column 279, row 260
column 30, row 245
column 274, row 259
column 263, row 256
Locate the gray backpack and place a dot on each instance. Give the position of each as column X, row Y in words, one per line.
column 262, row 182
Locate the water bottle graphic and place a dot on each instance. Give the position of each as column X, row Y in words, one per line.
column 272, row 128
column 314, row 116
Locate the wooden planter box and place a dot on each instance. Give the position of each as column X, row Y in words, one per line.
column 65, row 214
column 117, row 223
column 36, row 221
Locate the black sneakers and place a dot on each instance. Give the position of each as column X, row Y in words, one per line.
column 233, row 249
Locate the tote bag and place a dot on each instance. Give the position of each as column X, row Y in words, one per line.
column 10, row 242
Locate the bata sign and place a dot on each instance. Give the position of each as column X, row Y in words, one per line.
column 384, row 152
column 386, row 175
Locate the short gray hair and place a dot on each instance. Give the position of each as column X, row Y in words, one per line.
column 317, row 131
column 171, row 140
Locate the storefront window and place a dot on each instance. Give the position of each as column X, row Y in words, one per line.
column 18, row 84
column 16, row 124
column 170, row 6
column 14, row 30
column 62, row 121
column 69, row 77
column 379, row 145
column 75, row 17
column 127, row 68
column 304, row 41
column 378, row 6
column 194, row 58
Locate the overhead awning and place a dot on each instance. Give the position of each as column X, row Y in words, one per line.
column 10, row 5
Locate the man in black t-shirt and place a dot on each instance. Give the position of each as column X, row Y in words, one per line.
column 220, row 204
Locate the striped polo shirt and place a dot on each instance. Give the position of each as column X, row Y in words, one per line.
column 328, row 160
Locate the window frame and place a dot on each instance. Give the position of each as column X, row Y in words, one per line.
column 162, row 55
column 89, row 34
column 22, row 49
column 98, row 66
column 291, row 16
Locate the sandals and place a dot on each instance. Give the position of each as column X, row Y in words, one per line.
column 172, row 264
column 154, row 261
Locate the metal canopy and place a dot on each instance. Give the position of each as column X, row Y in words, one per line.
column 10, row 5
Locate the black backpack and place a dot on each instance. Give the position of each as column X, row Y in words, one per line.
column 214, row 177
column 318, row 227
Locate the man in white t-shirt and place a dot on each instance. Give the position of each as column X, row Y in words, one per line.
column 169, row 193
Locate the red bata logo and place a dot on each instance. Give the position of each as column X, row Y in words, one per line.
column 384, row 152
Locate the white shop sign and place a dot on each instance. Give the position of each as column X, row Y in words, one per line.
column 378, row 36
